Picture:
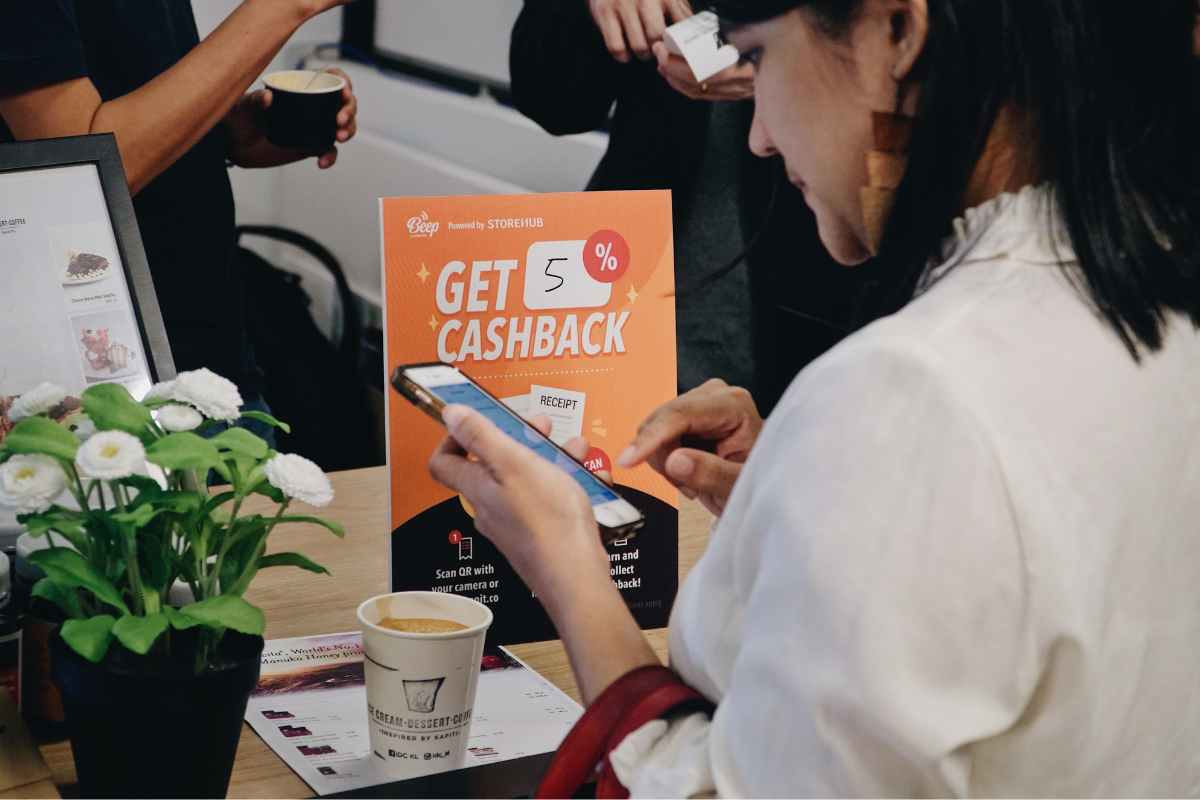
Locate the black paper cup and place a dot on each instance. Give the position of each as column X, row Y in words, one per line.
column 303, row 118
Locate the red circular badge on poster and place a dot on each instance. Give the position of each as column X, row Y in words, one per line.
column 606, row 256
column 455, row 536
column 598, row 460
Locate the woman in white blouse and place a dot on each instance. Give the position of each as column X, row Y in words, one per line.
column 963, row 555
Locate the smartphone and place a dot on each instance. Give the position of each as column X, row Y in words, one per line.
column 431, row 387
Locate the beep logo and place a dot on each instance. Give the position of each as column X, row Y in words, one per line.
column 574, row 274
column 420, row 227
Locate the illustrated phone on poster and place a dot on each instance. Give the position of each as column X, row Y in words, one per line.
column 433, row 386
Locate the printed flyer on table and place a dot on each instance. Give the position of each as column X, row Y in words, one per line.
column 310, row 707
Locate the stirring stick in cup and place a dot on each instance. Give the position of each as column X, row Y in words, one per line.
column 315, row 74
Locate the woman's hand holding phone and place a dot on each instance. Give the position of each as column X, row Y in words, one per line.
column 699, row 441
column 542, row 522
column 529, row 508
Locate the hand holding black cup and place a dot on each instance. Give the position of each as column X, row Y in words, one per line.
column 304, row 109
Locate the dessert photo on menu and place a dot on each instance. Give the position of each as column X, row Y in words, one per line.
column 83, row 254
column 107, row 342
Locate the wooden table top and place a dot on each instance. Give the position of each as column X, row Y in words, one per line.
column 359, row 564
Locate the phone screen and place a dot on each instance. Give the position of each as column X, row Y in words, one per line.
column 454, row 387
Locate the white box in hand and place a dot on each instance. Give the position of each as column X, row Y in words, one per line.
column 698, row 40
column 555, row 278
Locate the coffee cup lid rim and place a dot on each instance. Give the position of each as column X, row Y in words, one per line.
column 471, row 631
column 341, row 82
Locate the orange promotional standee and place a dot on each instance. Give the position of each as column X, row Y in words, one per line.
column 559, row 304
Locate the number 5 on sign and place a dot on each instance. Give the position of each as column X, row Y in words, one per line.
column 556, row 277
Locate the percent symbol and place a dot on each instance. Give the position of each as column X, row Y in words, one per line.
column 606, row 256
column 607, row 261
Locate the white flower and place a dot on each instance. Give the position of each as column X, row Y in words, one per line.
column 212, row 395
column 175, row 418
column 30, row 483
column 300, row 478
column 161, row 391
column 85, row 429
column 36, row 401
column 110, row 455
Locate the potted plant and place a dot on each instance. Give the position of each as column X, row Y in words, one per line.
column 154, row 695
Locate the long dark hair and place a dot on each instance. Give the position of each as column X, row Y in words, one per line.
column 1112, row 88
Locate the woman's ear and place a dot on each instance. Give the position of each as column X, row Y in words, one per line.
column 910, row 31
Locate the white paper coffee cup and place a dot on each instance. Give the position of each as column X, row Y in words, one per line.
column 421, row 686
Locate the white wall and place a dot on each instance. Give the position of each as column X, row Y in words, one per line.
column 321, row 29
column 414, row 139
column 469, row 36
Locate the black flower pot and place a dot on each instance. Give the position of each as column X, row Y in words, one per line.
column 169, row 733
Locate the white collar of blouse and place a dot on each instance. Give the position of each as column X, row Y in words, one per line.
column 1024, row 227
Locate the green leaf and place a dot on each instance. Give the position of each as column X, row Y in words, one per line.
column 291, row 560
column 267, row 490
column 267, row 418
column 226, row 611
column 102, row 526
column 178, row 502
column 41, row 524
column 89, row 637
column 153, row 564
column 179, row 621
column 5, row 454
column 71, row 569
column 239, row 466
column 40, row 435
column 328, row 523
column 183, row 451
column 253, row 479
column 240, row 441
column 140, row 516
column 215, row 501
column 62, row 596
column 247, row 545
column 112, row 408
column 139, row 633
column 223, row 470
column 147, row 488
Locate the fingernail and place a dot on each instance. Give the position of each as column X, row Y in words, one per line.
column 680, row 466
column 454, row 414
column 625, row 460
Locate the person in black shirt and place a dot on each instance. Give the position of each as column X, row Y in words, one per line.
column 788, row 302
column 181, row 114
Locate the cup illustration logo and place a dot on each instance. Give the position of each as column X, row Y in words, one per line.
column 422, row 695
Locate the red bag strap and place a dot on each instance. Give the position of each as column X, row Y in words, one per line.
column 631, row 701
column 653, row 706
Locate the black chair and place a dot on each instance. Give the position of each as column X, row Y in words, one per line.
column 312, row 383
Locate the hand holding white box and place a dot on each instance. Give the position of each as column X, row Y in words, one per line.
column 697, row 39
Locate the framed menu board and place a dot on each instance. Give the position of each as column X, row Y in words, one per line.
column 77, row 304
